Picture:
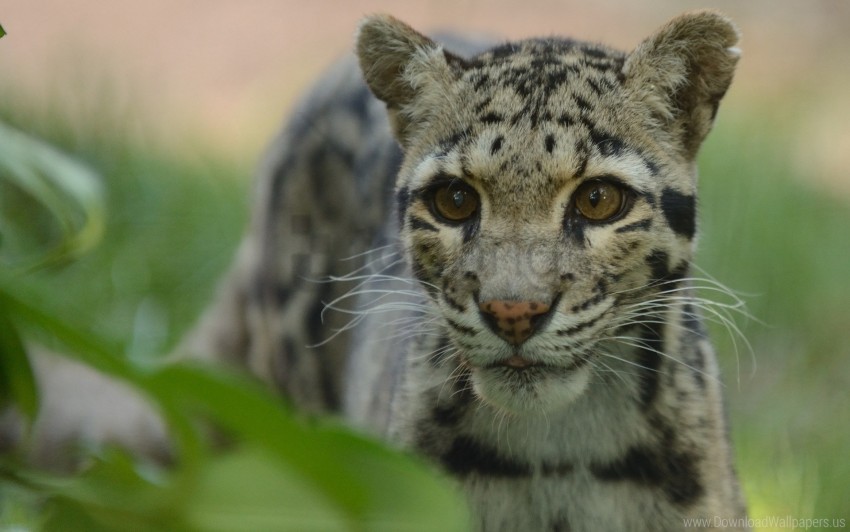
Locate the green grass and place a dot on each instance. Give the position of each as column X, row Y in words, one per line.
column 173, row 221
column 768, row 232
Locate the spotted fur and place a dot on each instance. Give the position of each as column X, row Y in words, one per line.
column 554, row 365
column 605, row 416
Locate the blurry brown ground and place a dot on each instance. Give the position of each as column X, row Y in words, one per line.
column 225, row 72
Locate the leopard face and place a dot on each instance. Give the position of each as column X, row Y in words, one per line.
column 546, row 198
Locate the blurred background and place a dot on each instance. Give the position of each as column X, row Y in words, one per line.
column 173, row 101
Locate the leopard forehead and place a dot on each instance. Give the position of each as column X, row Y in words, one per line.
column 539, row 81
column 526, row 119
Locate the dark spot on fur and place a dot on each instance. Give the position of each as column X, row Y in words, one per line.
column 550, row 143
column 575, row 329
column 313, row 318
column 497, row 145
column 457, row 305
column 594, row 52
column 447, row 415
column 561, row 524
column 608, row 84
column 450, row 142
column 418, row 224
column 557, row 469
column 640, row 225
column 658, row 264
column 582, row 153
column 608, row 145
column 556, row 78
column 680, row 271
column 503, row 51
column 463, row 329
column 492, row 118
column 691, row 321
column 673, row 470
column 421, row 272
column 680, row 211
column 651, row 165
column 574, row 228
column 402, row 201
column 282, row 294
column 662, row 276
column 467, row 457
column 480, row 81
column 603, row 63
column 565, row 120
column 470, row 229
column 583, row 105
column 519, row 115
column 483, row 104
column 590, row 302
column 649, row 361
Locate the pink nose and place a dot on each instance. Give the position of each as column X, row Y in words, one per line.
column 513, row 321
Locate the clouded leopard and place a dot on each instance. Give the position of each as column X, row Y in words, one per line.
column 525, row 316
column 483, row 254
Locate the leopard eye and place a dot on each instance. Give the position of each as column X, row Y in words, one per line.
column 599, row 201
column 455, row 202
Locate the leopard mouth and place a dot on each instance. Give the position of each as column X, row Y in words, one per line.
column 520, row 363
column 521, row 384
column 517, row 362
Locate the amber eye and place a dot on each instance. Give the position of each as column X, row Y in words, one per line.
column 455, row 202
column 599, row 200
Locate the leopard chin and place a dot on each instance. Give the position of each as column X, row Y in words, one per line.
column 530, row 389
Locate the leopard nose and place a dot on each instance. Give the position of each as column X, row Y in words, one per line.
column 513, row 321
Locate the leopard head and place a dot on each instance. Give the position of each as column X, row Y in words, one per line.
column 548, row 191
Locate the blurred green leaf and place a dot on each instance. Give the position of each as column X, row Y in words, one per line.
column 17, row 384
column 111, row 494
column 373, row 487
column 346, row 479
column 60, row 195
column 2, row 32
column 250, row 490
column 72, row 198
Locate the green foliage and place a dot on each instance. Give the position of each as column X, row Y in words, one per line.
column 41, row 191
column 46, row 194
column 170, row 226
column 281, row 473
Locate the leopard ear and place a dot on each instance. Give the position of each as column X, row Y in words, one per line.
column 404, row 69
column 682, row 72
